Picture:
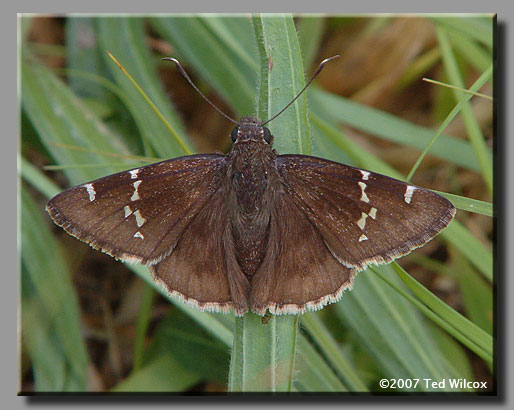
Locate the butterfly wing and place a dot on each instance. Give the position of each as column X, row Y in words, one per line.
column 363, row 217
column 298, row 272
column 139, row 215
column 329, row 222
column 202, row 270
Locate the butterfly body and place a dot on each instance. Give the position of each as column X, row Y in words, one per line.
column 254, row 181
column 252, row 230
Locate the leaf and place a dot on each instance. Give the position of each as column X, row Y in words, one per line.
column 479, row 28
column 263, row 356
column 391, row 330
column 482, row 152
column 163, row 374
column 391, row 128
column 466, row 331
column 220, row 49
column 124, row 38
column 51, row 318
column 329, row 347
column 60, row 117
column 471, row 247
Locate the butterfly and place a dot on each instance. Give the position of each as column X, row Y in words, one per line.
column 252, row 229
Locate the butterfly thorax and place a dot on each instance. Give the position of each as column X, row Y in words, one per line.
column 253, row 175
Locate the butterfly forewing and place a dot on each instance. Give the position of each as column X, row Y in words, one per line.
column 139, row 215
column 363, row 217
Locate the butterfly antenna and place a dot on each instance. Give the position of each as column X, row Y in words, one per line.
column 184, row 74
column 320, row 67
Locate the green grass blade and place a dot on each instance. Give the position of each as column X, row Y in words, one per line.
column 310, row 32
column 476, row 137
column 419, row 67
column 320, row 334
column 183, row 147
column 465, row 97
column 475, row 55
column 263, row 356
column 207, row 43
column 237, row 36
column 451, row 330
column 454, row 352
column 285, row 80
column 52, row 306
column 48, row 363
column 86, row 57
column 477, row 294
column 391, row 330
column 471, row 247
column 163, row 374
column 33, row 176
column 477, row 27
column 339, row 143
column 182, row 339
column 124, row 38
column 313, row 373
column 469, row 204
column 391, row 128
column 451, row 316
column 487, row 97
column 59, row 117
column 143, row 321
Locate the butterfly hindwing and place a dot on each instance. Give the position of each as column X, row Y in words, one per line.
column 202, row 269
column 298, row 272
column 363, row 217
column 139, row 215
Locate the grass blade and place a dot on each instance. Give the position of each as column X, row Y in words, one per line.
column 476, row 137
column 392, row 128
column 471, row 247
column 465, row 97
column 50, row 307
column 124, row 37
column 263, row 356
column 391, row 330
column 329, row 347
column 476, row 27
column 455, row 319
column 208, row 45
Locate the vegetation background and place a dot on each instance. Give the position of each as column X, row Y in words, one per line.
column 89, row 324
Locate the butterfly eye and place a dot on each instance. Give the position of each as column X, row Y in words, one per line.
column 234, row 133
column 267, row 135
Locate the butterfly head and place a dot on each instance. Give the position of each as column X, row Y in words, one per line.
column 250, row 129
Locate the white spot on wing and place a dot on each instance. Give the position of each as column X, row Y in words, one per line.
column 135, row 195
column 91, row 191
column 408, row 193
column 364, row 197
column 363, row 238
column 139, row 218
column 139, row 235
column 362, row 221
column 373, row 213
column 133, row 173
column 365, row 175
column 127, row 210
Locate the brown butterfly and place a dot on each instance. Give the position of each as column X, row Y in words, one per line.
column 252, row 229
